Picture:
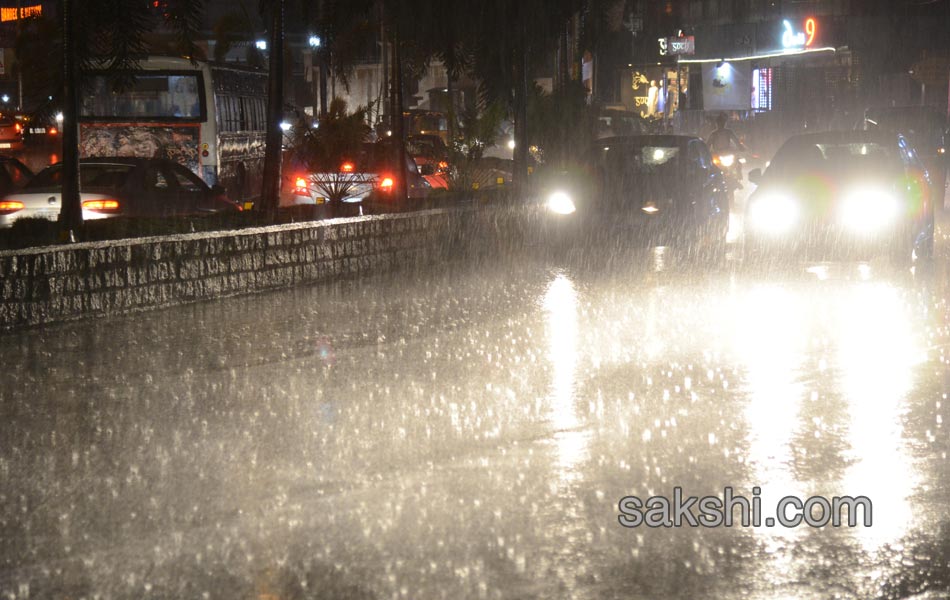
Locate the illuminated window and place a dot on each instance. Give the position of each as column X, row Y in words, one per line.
column 762, row 89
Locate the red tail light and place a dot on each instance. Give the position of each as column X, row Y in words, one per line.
column 52, row 131
column 443, row 165
column 8, row 207
column 347, row 167
column 107, row 205
column 18, row 127
column 386, row 184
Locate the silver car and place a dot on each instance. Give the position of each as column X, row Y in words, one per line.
column 112, row 187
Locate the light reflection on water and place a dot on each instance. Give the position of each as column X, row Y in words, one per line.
column 877, row 352
column 861, row 337
column 560, row 305
column 770, row 338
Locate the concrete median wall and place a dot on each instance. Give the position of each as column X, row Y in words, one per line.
column 62, row 283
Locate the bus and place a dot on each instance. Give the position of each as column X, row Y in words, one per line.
column 209, row 117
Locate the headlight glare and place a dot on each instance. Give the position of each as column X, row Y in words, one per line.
column 867, row 210
column 774, row 213
column 727, row 160
column 561, row 203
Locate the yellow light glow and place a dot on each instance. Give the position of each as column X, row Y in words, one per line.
column 9, row 14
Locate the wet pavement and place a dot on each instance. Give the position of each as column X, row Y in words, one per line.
column 468, row 433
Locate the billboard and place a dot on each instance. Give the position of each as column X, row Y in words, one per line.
column 727, row 86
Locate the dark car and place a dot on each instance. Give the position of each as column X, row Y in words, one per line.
column 849, row 194
column 13, row 174
column 371, row 173
column 431, row 155
column 113, row 187
column 656, row 189
column 926, row 130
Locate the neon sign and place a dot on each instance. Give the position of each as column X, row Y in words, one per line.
column 10, row 14
column 799, row 39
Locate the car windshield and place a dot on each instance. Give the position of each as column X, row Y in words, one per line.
column 425, row 147
column 799, row 157
column 639, row 162
column 90, row 175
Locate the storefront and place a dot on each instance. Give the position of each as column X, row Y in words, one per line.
column 793, row 65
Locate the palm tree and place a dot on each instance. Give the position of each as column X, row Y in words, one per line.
column 110, row 34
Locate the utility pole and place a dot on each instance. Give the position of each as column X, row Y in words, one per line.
column 274, row 139
column 520, row 174
column 399, row 136
column 19, row 43
column 70, row 215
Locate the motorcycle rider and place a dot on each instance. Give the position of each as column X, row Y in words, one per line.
column 724, row 141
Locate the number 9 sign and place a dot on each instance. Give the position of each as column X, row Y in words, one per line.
column 811, row 29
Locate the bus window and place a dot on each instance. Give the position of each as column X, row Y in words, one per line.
column 161, row 96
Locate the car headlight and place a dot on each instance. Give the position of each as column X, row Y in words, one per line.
column 561, row 203
column 773, row 213
column 727, row 160
column 868, row 209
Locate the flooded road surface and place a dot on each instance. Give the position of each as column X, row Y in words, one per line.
column 468, row 433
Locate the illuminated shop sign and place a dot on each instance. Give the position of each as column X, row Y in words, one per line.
column 802, row 38
column 9, row 14
column 683, row 45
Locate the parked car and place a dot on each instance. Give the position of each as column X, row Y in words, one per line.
column 372, row 172
column 432, row 157
column 647, row 189
column 112, row 187
column 11, row 133
column 842, row 194
column 13, row 174
column 926, row 129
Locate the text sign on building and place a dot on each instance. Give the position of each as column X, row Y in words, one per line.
column 10, row 14
column 802, row 36
column 684, row 45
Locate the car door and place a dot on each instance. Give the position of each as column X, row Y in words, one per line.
column 916, row 172
column 159, row 195
column 698, row 183
column 192, row 195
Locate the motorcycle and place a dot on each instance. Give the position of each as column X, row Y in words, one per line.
column 730, row 163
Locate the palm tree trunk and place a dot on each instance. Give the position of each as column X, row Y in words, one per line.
column 399, row 135
column 520, row 172
column 270, row 193
column 70, row 215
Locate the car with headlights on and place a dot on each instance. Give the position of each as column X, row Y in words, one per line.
column 658, row 190
column 848, row 194
column 925, row 128
column 113, row 187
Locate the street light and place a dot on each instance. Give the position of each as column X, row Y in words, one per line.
column 5, row 98
column 261, row 44
column 314, row 41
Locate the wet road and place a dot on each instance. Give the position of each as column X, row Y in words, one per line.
column 468, row 433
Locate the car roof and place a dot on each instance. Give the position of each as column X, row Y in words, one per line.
column 642, row 140
column 846, row 136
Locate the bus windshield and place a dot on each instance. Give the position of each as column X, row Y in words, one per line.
column 165, row 96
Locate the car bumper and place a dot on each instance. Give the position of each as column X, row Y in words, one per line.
column 659, row 230
column 831, row 241
column 7, row 145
